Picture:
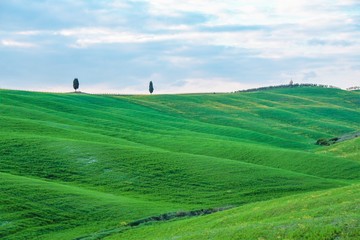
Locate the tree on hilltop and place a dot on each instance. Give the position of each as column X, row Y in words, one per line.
column 151, row 87
column 76, row 84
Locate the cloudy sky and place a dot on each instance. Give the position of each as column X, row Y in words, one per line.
column 182, row 46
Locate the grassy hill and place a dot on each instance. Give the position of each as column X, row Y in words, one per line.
column 330, row 214
column 349, row 149
column 76, row 164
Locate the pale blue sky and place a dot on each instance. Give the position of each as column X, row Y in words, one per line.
column 182, row 46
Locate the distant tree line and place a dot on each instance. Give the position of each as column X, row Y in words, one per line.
column 353, row 88
column 291, row 85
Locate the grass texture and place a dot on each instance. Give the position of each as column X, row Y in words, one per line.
column 72, row 165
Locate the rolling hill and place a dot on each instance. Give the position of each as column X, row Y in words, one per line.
column 74, row 165
column 330, row 214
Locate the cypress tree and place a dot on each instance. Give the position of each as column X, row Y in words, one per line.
column 76, row 84
column 151, row 87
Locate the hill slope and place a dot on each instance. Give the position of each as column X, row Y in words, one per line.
column 330, row 214
column 111, row 159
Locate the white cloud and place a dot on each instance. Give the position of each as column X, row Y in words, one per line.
column 203, row 85
column 279, row 43
column 180, row 61
column 156, row 25
column 16, row 44
column 250, row 12
column 171, row 37
column 285, row 28
column 29, row 33
column 339, row 76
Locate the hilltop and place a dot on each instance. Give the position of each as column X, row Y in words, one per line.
column 73, row 165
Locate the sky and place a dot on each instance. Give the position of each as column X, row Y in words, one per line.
column 186, row 46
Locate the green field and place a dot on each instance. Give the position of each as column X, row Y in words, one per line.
column 329, row 214
column 85, row 166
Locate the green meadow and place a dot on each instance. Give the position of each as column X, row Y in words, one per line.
column 80, row 166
